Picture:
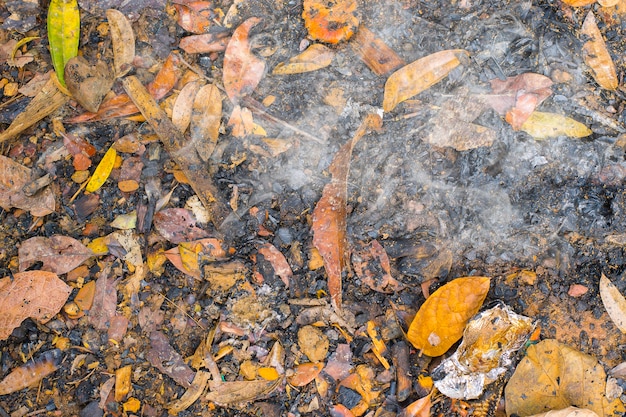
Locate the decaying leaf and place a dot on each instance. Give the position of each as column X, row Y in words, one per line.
column 122, row 382
column 541, row 125
column 163, row 357
column 242, row 69
column 13, row 178
column 89, row 84
column 105, row 300
column 375, row 53
column 614, row 302
column 242, row 123
column 205, row 43
column 195, row 16
column 183, row 106
column 31, row 373
column 305, row 373
column 568, row 412
column 36, row 294
column 186, row 255
column 178, row 225
column 241, row 392
column 206, row 117
column 102, row 171
column 329, row 215
column 440, row 321
column 63, row 33
column 418, row 408
column 313, row 343
column 59, row 254
column 330, row 21
column 312, row 58
column 123, row 40
column 278, row 261
column 553, row 376
column 420, row 75
column 597, row 56
column 199, row 383
column 373, row 268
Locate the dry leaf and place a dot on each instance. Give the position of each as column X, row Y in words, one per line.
column 162, row 356
column 105, row 300
column 420, row 75
column 123, row 39
column 205, row 43
column 375, row 53
column 122, row 382
column 84, row 297
column 242, row 123
column 13, row 178
column 440, row 321
column 579, row 3
column 305, row 373
column 568, row 412
column 554, row 376
column 195, row 16
column 614, row 303
column 278, row 261
column 199, row 383
column 31, row 373
column 185, row 256
column 102, row 171
column 418, row 408
column 242, row 69
column 241, row 392
column 181, row 112
column 329, row 215
column 373, row 268
column 313, row 58
column 36, row 294
column 542, row 125
column 89, row 84
column 330, row 21
column 59, row 254
column 177, row 225
column 596, row 55
column 206, row 117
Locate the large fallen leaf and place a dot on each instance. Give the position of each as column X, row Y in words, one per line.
column 206, row 118
column 440, row 321
column 199, row 383
column 329, row 215
column 242, row 69
column 105, row 300
column 554, row 376
column 312, row 58
column 241, row 392
column 13, row 178
column 541, row 125
column 568, row 412
column 614, row 302
column 31, row 373
column 163, row 357
column 48, row 100
column 36, row 294
column 59, row 254
column 178, row 225
column 420, row 75
column 330, row 21
column 63, row 33
column 89, row 84
column 123, row 40
column 596, row 55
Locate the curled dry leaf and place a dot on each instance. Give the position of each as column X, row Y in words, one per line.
column 597, row 56
column 278, row 261
column 206, row 117
column 36, row 294
column 440, row 321
column 553, row 376
column 31, row 373
column 330, row 21
column 181, row 112
column 305, row 373
column 614, row 302
column 241, row 392
column 420, row 75
column 123, row 39
column 59, row 254
column 199, row 383
column 242, row 69
column 13, row 178
column 102, row 171
column 541, row 125
column 313, row 58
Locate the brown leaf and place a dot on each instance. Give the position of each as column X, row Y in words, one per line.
column 36, row 294
column 614, row 303
column 313, row 58
column 205, row 120
column 205, row 43
column 278, row 261
column 420, row 75
column 89, row 84
column 375, row 53
column 196, row 16
column 163, row 357
column 31, row 373
column 105, row 300
column 199, row 383
column 440, row 321
column 181, row 112
column 241, row 392
column 553, row 376
column 178, row 225
column 597, row 56
column 329, row 215
column 242, row 69
column 123, row 40
column 418, row 408
column 59, row 254
column 372, row 266
column 13, row 178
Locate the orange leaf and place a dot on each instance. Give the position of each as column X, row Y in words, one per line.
column 181, row 112
column 31, row 373
column 420, row 75
column 242, row 69
column 313, row 58
column 329, row 215
column 305, row 373
column 419, row 408
column 36, row 294
column 330, row 22
column 596, row 55
column 375, row 53
column 205, row 43
column 278, row 261
column 195, row 16
column 84, row 298
column 440, row 321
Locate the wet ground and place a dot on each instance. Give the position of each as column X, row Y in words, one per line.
column 556, row 207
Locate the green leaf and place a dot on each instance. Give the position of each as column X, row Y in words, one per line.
column 63, row 33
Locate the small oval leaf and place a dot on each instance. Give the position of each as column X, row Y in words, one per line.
column 102, row 172
column 614, row 303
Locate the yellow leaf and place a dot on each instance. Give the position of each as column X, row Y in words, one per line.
column 440, row 321
column 596, row 55
column 102, row 172
column 268, row 373
column 63, row 34
column 554, row 376
column 99, row 246
column 313, row 58
column 542, row 125
column 614, row 303
column 419, row 75
column 122, row 382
